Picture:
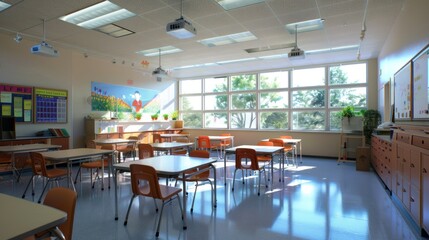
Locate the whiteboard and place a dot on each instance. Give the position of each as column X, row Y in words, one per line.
column 420, row 86
column 403, row 93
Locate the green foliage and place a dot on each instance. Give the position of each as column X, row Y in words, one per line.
column 347, row 112
column 165, row 115
column 174, row 115
column 154, row 116
column 371, row 119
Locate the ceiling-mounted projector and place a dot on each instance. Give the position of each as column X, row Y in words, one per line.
column 296, row 53
column 181, row 29
column 44, row 49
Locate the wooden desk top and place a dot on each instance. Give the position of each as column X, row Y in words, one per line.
column 20, row 218
column 65, row 155
column 28, row 147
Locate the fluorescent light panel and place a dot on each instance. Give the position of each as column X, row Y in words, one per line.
column 155, row 51
column 305, row 26
column 228, row 39
column 97, row 15
column 334, row 49
column 114, row 30
column 232, row 4
column 4, row 5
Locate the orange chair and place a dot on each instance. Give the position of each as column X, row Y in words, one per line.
column 289, row 148
column 242, row 157
column 264, row 158
column 38, row 165
column 203, row 176
column 144, row 182
column 204, row 143
column 156, row 138
column 94, row 165
column 145, row 150
column 63, row 199
column 127, row 149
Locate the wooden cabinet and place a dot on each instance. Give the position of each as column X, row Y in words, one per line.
column 381, row 159
column 105, row 129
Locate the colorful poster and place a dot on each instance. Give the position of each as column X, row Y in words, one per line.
column 13, row 100
column 117, row 98
column 51, row 105
column 6, row 97
column 6, row 110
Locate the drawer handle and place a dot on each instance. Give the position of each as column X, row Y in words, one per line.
column 403, row 190
column 424, row 170
column 412, row 199
column 412, row 165
column 397, row 184
column 423, row 141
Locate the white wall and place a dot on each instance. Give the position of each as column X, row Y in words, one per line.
column 409, row 35
column 73, row 72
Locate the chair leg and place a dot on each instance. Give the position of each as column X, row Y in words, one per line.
column 44, row 189
column 233, row 180
column 128, row 211
column 28, row 184
column 182, row 211
column 259, row 182
column 159, row 219
column 193, row 198
column 78, row 174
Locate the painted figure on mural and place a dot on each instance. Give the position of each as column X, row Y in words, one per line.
column 137, row 103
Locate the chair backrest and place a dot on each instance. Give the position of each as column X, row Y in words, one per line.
column 200, row 153
column 38, row 164
column 133, row 138
column 287, row 147
column 63, row 199
column 265, row 143
column 156, row 138
column 144, row 181
column 276, row 142
column 145, row 150
column 204, row 142
column 226, row 141
column 243, row 156
column 91, row 144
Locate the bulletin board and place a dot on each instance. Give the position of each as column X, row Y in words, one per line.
column 403, row 93
column 50, row 105
column 17, row 101
column 421, row 86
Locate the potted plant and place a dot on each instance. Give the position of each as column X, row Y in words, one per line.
column 165, row 115
column 137, row 116
column 371, row 119
column 347, row 112
column 174, row 115
column 154, row 116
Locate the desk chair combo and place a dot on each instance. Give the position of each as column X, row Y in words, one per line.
column 38, row 166
column 204, row 143
column 144, row 182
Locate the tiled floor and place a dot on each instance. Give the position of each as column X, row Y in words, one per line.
column 319, row 200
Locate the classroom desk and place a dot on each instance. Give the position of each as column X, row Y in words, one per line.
column 171, row 136
column 262, row 150
column 26, row 148
column 117, row 141
column 218, row 139
column 170, row 146
column 294, row 141
column 21, row 218
column 167, row 166
column 79, row 155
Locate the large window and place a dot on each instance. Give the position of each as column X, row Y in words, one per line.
column 305, row 99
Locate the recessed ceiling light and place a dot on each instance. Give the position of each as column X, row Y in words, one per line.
column 334, row 49
column 97, row 15
column 228, row 39
column 305, row 26
column 4, row 5
column 155, row 51
column 114, row 30
column 232, row 4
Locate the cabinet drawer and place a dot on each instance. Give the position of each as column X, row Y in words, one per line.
column 415, row 204
column 403, row 137
column 420, row 141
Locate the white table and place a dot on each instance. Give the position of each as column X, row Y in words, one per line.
column 294, row 141
column 167, row 166
column 115, row 141
column 171, row 136
column 26, row 148
column 20, row 218
column 218, row 139
column 170, row 146
column 79, row 155
column 262, row 150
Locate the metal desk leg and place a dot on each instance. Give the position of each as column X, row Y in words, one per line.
column 115, row 183
column 184, row 201
column 214, row 175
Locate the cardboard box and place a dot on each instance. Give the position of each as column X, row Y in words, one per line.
column 363, row 155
